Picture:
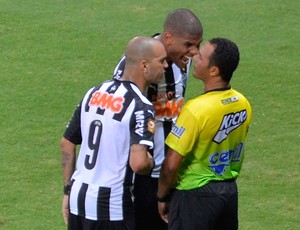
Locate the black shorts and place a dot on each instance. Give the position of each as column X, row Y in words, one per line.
column 145, row 204
column 211, row 207
column 80, row 223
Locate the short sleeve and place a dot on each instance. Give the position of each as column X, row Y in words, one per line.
column 184, row 133
column 73, row 130
column 143, row 127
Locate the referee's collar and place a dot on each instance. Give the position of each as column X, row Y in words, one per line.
column 218, row 89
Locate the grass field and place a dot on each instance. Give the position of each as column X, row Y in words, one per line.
column 51, row 52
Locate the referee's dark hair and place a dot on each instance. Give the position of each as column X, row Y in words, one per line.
column 226, row 57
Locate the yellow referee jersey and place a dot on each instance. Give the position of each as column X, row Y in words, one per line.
column 210, row 133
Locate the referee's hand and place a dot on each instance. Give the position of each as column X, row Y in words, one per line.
column 163, row 209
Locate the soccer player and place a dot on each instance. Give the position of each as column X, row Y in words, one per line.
column 181, row 36
column 197, row 185
column 114, row 124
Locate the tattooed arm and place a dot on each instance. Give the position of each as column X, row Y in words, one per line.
column 68, row 151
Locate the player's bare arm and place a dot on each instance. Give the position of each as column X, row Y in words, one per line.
column 140, row 160
column 68, row 152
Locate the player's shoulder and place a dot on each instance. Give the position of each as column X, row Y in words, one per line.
column 105, row 83
column 142, row 98
column 136, row 93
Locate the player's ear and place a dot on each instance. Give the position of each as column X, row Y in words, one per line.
column 168, row 38
column 144, row 66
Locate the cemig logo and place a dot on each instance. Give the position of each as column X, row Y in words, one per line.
column 229, row 123
column 107, row 101
column 220, row 161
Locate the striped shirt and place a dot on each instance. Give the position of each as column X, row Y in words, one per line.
column 109, row 119
column 167, row 97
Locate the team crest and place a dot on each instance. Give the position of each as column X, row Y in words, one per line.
column 151, row 125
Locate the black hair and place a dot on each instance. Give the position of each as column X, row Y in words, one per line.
column 183, row 21
column 226, row 57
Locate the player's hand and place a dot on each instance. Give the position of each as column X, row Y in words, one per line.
column 163, row 209
column 65, row 208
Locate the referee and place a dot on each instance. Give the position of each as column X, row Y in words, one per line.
column 114, row 124
column 206, row 147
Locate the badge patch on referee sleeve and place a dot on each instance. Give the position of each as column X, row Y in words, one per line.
column 151, row 126
column 177, row 131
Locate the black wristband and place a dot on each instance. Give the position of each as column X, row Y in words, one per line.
column 164, row 199
column 67, row 189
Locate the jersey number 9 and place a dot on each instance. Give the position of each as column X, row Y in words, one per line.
column 93, row 143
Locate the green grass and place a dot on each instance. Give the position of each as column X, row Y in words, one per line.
column 51, row 52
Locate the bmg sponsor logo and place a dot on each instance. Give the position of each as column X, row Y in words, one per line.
column 104, row 100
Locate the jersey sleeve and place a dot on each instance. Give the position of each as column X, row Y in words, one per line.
column 119, row 69
column 143, row 127
column 73, row 130
column 184, row 133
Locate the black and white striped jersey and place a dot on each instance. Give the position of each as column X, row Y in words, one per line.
column 109, row 119
column 167, row 97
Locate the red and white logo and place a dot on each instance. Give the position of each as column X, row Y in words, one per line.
column 107, row 101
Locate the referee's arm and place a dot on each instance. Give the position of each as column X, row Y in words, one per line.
column 167, row 181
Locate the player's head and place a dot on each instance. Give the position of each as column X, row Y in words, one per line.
column 219, row 57
column 182, row 35
column 226, row 57
column 147, row 56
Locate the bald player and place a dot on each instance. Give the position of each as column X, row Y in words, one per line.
column 114, row 124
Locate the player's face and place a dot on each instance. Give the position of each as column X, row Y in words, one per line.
column 181, row 48
column 157, row 65
column 202, row 61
